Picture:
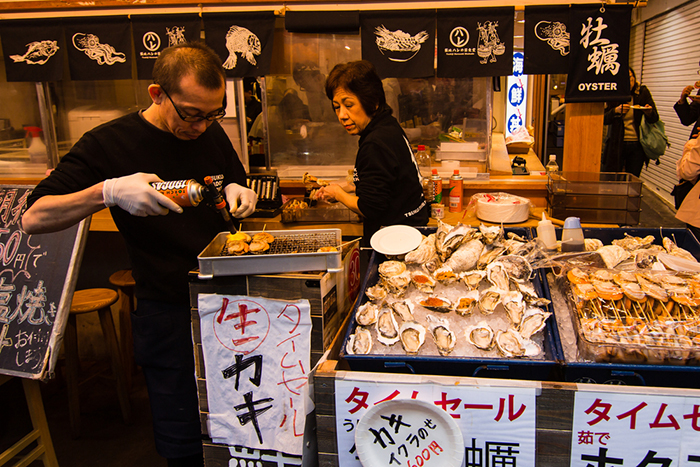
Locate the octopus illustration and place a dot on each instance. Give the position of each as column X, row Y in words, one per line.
column 555, row 34
column 489, row 44
column 399, row 46
column 241, row 40
column 176, row 35
column 37, row 53
column 103, row 54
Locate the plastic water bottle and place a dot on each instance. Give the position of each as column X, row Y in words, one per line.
column 552, row 167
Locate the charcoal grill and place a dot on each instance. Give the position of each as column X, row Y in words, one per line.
column 292, row 250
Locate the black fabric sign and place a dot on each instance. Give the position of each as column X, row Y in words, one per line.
column 37, row 280
column 242, row 40
column 98, row 48
column 153, row 33
column 547, row 38
column 399, row 43
column 323, row 22
column 599, row 61
column 475, row 42
column 33, row 49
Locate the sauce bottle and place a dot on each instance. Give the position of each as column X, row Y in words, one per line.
column 572, row 235
column 545, row 233
column 436, row 183
column 456, row 192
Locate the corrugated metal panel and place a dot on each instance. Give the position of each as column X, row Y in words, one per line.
column 670, row 62
column 637, row 47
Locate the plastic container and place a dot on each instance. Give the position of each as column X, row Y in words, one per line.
column 436, row 184
column 37, row 148
column 546, row 233
column 456, row 192
column 552, row 167
column 572, row 235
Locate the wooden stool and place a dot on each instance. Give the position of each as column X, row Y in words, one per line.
column 88, row 301
column 124, row 282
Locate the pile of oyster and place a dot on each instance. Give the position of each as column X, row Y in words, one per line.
column 463, row 292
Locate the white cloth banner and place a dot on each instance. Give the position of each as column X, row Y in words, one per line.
column 257, row 362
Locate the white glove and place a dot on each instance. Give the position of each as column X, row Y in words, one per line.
column 241, row 200
column 134, row 194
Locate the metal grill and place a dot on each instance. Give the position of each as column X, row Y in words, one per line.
column 297, row 243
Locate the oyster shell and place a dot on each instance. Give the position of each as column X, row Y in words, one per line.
column 412, row 336
column 532, row 322
column 424, row 252
column 517, row 267
column 472, row 279
column 530, row 295
column 387, row 327
column 488, row 255
column 423, row 282
column 510, row 343
column 441, row 305
column 466, row 256
column 498, row 276
column 397, row 285
column 480, row 335
column 444, row 337
column 491, row 234
column 391, row 268
column 613, row 255
column 445, row 275
column 466, row 303
column 449, row 238
column 592, row 244
column 489, row 300
column 359, row 343
column 514, row 305
column 376, row 293
column 366, row 314
column 404, row 310
column 432, row 264
column 630, row 243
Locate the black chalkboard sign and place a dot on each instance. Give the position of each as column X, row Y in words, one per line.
column 37, row 280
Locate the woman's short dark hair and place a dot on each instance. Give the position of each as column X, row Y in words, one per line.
column 361, row 79
column 177, row 61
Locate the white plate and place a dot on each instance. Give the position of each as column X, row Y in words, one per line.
column 639, row 107
column 446, row 434
column 396, row 239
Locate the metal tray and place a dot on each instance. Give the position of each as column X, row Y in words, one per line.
column 301, row 255
column 545, row 368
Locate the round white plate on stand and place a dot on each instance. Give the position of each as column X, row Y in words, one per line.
column 439, row 437
column 396, row 239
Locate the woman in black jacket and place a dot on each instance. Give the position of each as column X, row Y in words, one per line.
column 623, row 152
column 387, row 187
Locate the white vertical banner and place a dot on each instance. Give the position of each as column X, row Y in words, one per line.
column 516, row 101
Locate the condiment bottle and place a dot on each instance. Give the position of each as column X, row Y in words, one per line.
column 572, row 235
column 456, row 192
column 545, row 233
column 436, row 182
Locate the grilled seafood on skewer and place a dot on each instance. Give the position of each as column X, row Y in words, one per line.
column 264, row 237
column 258, row 247
column 675, row 250
column 613, row 255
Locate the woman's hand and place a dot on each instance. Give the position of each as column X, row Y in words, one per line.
column 622, row 109
column 647, row 109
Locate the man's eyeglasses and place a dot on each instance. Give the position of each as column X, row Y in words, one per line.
column 215, row 116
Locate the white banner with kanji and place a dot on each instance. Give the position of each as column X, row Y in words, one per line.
column 642, row 429
column 497, row 420
column 257, row 361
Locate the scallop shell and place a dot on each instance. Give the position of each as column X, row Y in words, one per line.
column 412, row 336
column 466, row 303
column 533, row 321
column 359, row 343
column 392, row 268
column 489, row 300
column 444, row 337
column 366, row 314
column 376, row 293
column 441, row 305
column 387, row 327
column 423, row 282
column 403, row 309
column 480, row 335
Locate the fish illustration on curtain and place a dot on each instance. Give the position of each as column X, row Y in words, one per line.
column 38, row 52
column 554, row 33
column 241, row 40
column 103, row 54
